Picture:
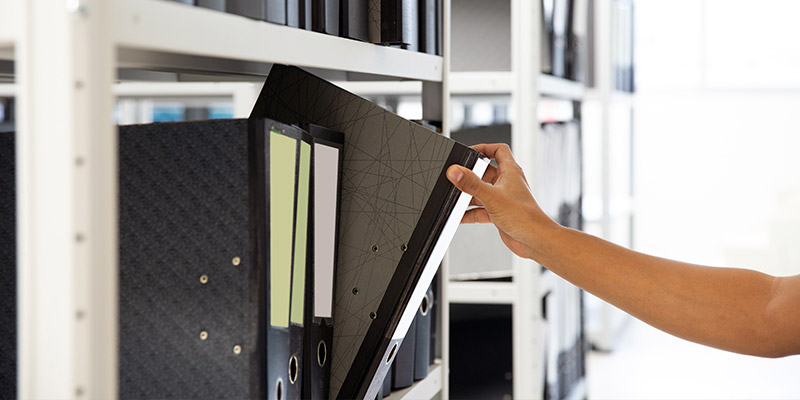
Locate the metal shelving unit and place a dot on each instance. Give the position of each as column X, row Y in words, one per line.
column 67, row 177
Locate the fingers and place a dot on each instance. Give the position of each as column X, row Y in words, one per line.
column 497, row 151
column 466, row 181
column 490, row 175
column 475, row 202
column 476, row 216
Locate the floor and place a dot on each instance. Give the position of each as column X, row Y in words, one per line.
column 650, row 364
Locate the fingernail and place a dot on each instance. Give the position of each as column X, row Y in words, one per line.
column 455, row 174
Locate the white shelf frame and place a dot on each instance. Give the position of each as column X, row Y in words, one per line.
column 67, row 176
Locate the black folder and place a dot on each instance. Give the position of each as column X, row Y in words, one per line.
column 398, row 214
column 275, row 11
column 325, row 16
column 293, row 13
column 427, row 26
column 300, row 267
column 403, row 365
column 218, row 5
column 8, row 269
column 422, row 351
column 439, row 28
column 268, row 10
column 249, row 8
column 320, row 280
column 400, row 23
column 304, row 10
column 387, row 384
column 355, row 19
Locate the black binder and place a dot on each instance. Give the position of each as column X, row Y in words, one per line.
column 248, row 8
column 400, row 23
column 300, row 267
column 218, row 5
column 403, row 365
column 8, row 268
column 325, row 16
column 427, row 26
column 293, row 13
column 423, row 337
column 304, row 9
column 398, row 214
column 268, row 10
column 275, row 11
column 387, row 384
column 320, row 280
column 355, row 19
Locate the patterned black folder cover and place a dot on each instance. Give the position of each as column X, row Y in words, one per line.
column 395, row 202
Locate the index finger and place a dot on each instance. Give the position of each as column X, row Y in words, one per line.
column 496, row 151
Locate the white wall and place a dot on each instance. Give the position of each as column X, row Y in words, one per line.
column 717, row 132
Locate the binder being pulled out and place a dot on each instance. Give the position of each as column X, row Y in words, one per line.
column 398, row 215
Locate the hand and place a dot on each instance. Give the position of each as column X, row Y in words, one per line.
column 504, row 199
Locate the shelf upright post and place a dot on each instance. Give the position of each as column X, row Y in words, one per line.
column 436, row 107
column 526, row 329
column 67, row 201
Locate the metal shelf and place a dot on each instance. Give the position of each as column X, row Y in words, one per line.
column 496, row 82
column 551, row 86
column 169, row 35
column 398, row 88
column 427, row 388
column 493, row 292
column 482, row 292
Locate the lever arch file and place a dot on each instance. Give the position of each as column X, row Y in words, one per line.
column 326, row 189
column 398, row 215
column 300, row 263
column 8, row 269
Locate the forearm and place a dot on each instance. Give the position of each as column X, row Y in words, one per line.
column 721, row 307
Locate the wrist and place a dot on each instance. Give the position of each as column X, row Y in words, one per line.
column 543, row 237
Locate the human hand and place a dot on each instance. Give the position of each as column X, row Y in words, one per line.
column 504, row 199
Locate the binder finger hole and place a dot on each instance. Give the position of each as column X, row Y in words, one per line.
column 293, row 369
column 322, row 353
column 391, row 353
column 279, row 390
column 425, row 306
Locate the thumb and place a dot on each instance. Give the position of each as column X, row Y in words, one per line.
column 466, row 181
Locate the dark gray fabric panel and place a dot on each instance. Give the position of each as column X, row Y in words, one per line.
column 8, row 269
column 184, row 214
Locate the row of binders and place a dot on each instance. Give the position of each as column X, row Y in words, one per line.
column 415, row 25
column 565, row 38
column 559, row 180
column 289, row 255
column 560, row 195
column 568, row 34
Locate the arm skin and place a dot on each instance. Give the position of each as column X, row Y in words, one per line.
column 732, row 309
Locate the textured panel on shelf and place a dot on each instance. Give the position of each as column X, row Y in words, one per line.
column 8, row 269
column 183, row 215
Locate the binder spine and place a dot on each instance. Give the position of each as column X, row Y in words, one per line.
column 400, row 23
column 247, row 8
column 8, row 268
column 275, row 11
column 218, row 5
column 409, row 283
column 355, row 19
